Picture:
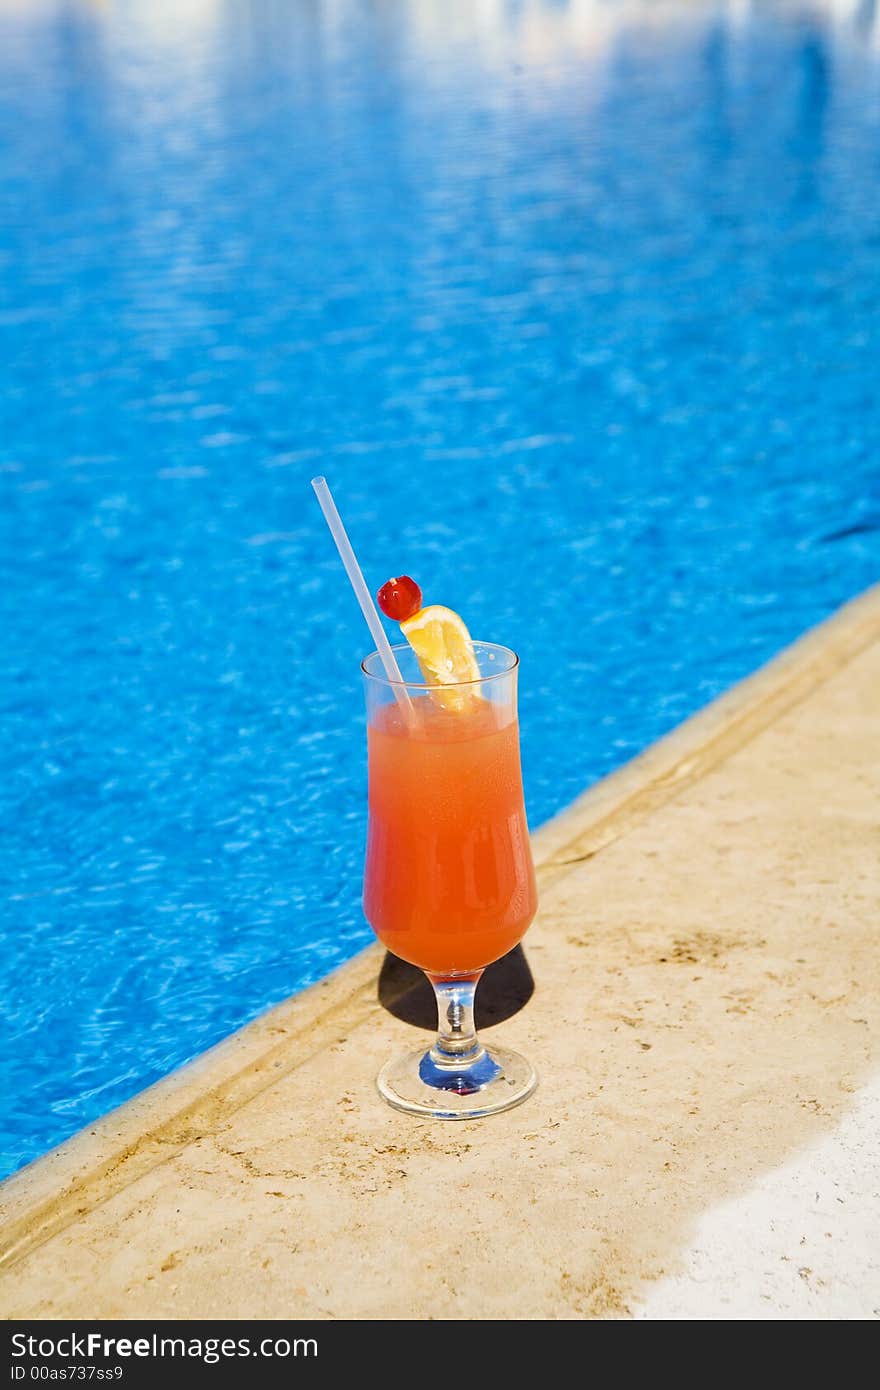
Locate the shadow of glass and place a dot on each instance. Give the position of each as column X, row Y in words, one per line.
column 506, row 987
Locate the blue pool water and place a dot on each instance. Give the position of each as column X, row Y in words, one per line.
column 577, row 306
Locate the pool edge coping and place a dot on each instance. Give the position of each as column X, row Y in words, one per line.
column 55, row 1190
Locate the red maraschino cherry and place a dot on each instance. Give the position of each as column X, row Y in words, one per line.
column 399, row 598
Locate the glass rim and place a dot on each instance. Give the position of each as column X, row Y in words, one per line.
column 384, row 679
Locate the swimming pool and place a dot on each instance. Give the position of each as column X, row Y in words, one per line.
column 577, row 308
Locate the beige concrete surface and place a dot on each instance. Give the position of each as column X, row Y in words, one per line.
column 705, row 1009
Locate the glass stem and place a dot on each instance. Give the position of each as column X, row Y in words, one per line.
column 456, row 1033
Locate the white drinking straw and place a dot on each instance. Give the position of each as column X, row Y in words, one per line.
column 364, row 597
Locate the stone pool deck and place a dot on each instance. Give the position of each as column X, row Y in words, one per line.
column 700, row 994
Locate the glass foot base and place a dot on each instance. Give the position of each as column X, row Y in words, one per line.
column 424, row 1083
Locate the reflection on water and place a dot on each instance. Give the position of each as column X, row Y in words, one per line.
column 577, row 306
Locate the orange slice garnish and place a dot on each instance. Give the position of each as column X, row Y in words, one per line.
column 445, row 654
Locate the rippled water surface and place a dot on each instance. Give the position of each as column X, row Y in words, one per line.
column 577, row 307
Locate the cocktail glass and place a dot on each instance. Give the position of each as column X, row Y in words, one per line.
column 449, row 883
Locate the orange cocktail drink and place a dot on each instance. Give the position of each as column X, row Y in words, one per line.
column 449, row 883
